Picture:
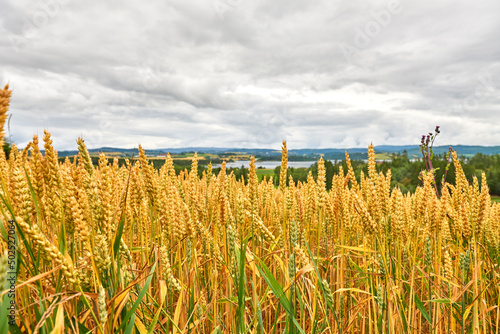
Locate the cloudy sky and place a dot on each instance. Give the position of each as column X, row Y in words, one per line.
column 241, row 73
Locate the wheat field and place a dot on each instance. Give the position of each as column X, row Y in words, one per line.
column 131, row 249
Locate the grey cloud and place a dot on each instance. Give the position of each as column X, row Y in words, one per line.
column 183, row 73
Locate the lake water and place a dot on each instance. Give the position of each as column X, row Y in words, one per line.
column 266, row 164
column 274, row 164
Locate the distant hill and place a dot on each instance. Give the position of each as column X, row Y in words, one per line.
column 298, row 154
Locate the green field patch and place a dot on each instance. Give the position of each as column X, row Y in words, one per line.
column 382, row 156
column 264, row 172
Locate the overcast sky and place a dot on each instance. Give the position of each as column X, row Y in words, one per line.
column 241, row 73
